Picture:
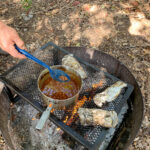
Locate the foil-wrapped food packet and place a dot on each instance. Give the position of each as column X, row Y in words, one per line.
column 69, row 60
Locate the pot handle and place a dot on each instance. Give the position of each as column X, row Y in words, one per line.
column 44, row 117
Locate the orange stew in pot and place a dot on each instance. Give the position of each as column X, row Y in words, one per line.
column 60, row 90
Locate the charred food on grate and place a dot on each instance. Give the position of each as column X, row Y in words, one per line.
column 110, row 94
column 98, row 117
column 69, row 60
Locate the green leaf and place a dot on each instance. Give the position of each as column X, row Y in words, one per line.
column 78, row 44
column 26, row 4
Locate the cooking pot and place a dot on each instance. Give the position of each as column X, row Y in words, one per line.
column 56, row 103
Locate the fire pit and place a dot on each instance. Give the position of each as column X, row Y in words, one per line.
column 22, row 79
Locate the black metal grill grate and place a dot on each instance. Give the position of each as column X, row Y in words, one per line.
column 24, row 77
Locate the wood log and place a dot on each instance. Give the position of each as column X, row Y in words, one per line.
column 98, row 117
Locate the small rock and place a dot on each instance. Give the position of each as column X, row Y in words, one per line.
column 125, row 44
column 137, row 66
column 25, row 29
column 27, row 17
column 18, row 109
column 51, row 131
column 120, row 23
column 146, row 122
column 140, row 15
column 136, row 139
column 30, row 16
column 141, row 145
column 61, row 148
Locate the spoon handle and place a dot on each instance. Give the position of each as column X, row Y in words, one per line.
column 28, row 55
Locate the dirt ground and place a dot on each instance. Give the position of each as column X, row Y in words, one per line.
column 120, row 28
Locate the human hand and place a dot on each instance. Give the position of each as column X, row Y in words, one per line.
column 9, row 37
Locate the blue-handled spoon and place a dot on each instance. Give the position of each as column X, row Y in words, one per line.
column 55, row 73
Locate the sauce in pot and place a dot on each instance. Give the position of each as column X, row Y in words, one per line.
column 61, row 90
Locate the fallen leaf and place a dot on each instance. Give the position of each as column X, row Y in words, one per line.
column 146, row 63
column 113, row 8
column 86, row 7
column 102, row 6
column 125, row 44
column 134, row 3
column 132, row 56
column 127, row 10
column 48, row 13
column 55, row 11
column 75, row 3
column 146, row 51
column 78, row 44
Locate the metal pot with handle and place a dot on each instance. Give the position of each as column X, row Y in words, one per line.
column 53, row 102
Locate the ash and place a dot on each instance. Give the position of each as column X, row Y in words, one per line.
column 49, row 138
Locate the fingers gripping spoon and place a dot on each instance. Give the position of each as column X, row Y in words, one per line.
column 55, row 73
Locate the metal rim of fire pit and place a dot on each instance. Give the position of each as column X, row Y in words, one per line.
column 118, row 73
